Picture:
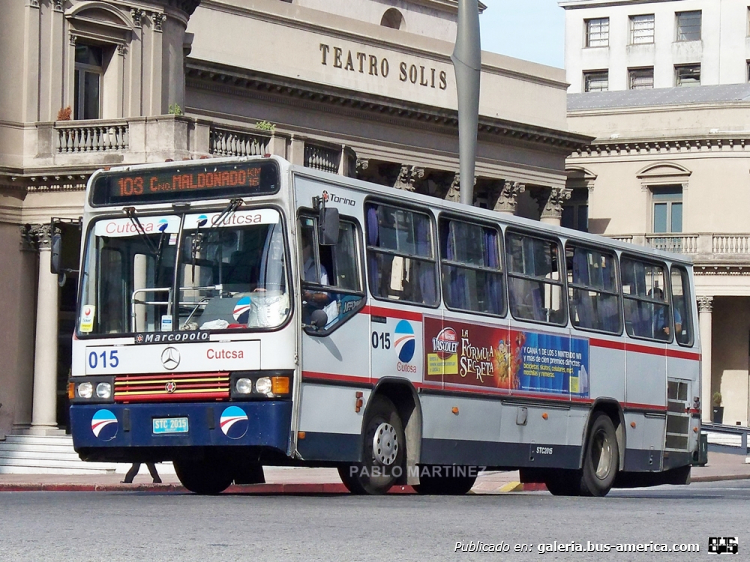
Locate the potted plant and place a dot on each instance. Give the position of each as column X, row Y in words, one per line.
column 718, row 409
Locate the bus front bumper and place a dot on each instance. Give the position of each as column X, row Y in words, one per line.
column 98, row 428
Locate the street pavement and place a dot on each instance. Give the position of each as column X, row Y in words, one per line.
column 721, row 466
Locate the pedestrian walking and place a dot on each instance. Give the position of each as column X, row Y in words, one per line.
column 136, row 467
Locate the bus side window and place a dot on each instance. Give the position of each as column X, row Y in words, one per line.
column 400, row 255
column 471, row 267
column 535, row 284
column 647, row 311
column 683, row 325
column 592, row 287
column 330, row 274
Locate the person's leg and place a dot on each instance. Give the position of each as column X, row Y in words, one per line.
column 131, row 473
column 152, row 470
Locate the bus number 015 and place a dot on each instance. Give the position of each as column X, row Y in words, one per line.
column 96, row 357
column 382, row 340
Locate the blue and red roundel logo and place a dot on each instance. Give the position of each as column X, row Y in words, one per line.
column 404, row 341
column 104, row 425
column 242, row 310
column 234, row 422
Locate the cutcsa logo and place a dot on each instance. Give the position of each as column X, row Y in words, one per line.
column 405, row 343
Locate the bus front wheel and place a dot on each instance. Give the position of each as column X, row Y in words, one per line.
column 601, row 459
column 203, row 477
column 383, row 452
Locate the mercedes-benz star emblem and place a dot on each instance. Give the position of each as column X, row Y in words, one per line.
column 170, row 387
column 170, row 358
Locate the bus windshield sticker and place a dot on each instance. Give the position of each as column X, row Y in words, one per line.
column 238, row 218
column 125, row 227
column 503, row 358
column 87, row 318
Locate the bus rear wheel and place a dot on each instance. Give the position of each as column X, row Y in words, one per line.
column 383, row 451
column 601, row 459
column 445, row 480
column 205, row 477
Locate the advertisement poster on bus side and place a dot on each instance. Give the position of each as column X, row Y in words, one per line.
column 503, row 358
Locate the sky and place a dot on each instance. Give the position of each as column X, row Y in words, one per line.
column 526, row 29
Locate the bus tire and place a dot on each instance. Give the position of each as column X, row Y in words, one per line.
column 383, row 451
column 433, row 483
column 601, row 458
column 203, row 477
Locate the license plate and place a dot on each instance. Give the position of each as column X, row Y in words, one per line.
column 170, row 425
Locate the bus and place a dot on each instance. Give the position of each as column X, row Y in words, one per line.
column 245, row 312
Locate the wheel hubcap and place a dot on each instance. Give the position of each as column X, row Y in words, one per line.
column 385, row 444
column 604, row 449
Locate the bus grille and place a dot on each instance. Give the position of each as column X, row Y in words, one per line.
column 172, row 387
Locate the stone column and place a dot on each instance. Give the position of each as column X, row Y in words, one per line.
column 551, row 202
column 44, row 404
column 507, row 196
column 705, row 306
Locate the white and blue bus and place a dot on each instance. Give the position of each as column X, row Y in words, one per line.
column 236, row 313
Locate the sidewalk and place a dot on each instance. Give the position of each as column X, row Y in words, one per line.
column 720, row 466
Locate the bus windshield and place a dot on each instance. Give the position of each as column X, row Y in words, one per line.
column 211, row 271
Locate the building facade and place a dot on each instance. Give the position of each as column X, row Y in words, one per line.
column 630, row 44
column 362, row 88
column 670, row 165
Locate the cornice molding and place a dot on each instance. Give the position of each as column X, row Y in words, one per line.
column 241, row 82
column 673, row 146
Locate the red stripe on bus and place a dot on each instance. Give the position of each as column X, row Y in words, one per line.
column 312, row 375
column 636, row 348
column 392, row 313
column 635, row 406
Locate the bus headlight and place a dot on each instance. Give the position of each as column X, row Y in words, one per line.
column 85, row 390
column 103, row 390
column 244, row 386
column 263, row 385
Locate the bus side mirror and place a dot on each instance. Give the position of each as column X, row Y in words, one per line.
column 329, row 227
column 318, row 319
column 65, row 247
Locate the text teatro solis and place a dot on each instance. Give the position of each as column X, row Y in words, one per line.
column 355, row 61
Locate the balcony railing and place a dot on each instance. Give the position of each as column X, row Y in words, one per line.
column 702, row 244
column 91, row 137
column 225, row 142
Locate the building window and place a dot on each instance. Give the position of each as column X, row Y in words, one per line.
column 688, row 75
column 642, row 29
column 689, row 26
column 596, row 81
column 88, row 81
column 667, row 203
column 392, row 18
column 641, row 78
column 597, row 32
column 575, row 213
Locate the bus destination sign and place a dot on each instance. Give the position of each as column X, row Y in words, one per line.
column 188, row 181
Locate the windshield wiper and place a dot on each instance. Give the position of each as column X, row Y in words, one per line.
column 199, row 237
column 130, row 213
